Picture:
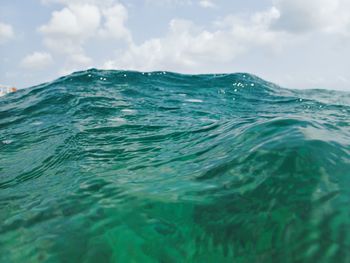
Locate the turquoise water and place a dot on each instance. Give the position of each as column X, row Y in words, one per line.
column 119, row 166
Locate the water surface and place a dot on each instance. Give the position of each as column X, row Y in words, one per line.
column 119, row 166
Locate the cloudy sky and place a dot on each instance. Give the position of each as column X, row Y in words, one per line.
column 294, row 43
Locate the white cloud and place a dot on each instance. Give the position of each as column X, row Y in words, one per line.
column 37, row 61
column 330, row 16
column 186, row 46
column 195, row 49
column 6, row 32
column 69, row 29
column 100, row 3
column 114, row 25
column 202, row 3
column 169, row 2
column 78, row 22
column 75, row 21
column 207, row 4
column 77, row 61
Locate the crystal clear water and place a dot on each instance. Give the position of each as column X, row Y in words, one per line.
column 119, row 166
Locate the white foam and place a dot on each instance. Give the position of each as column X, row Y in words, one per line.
column 37, row 123
column 194, row 100
column 221, row 91
column 118, row 120
column 129, row 111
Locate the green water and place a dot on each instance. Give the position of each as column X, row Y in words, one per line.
column 118, row 166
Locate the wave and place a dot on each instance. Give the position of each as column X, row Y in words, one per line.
column 155, row 167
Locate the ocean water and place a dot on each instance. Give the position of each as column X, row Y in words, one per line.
column 119, row 166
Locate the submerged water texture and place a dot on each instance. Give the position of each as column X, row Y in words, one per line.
column 118, row 166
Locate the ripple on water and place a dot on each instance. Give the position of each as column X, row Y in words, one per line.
column 165, row 167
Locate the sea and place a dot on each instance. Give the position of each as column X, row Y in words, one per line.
column 125, row 166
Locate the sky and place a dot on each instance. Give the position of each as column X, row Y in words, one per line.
column 294, row 43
